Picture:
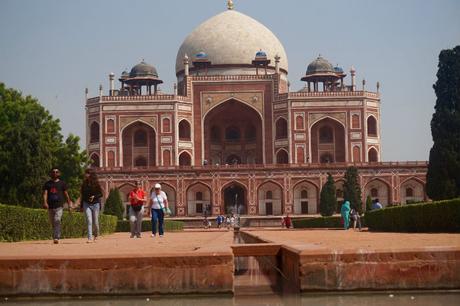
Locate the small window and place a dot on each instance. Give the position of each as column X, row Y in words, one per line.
column 355, row 121
column 269, row 195
column 281, row 129
column 140, row 138
column 199, row 208
column 199, row 196
column 304, row 194
column 299, row 123
column 166, row 125
column 184, row 130
column 371, row 126
column 374, row 193
column 111, row 159
column 409, row 192
column 110, row 126
column 94, row 132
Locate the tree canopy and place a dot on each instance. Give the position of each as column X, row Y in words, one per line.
column 31, row 144
column 351, row 188
column 443, row 177
column 328, row 201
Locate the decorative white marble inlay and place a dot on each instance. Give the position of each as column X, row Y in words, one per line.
column 337, row 103
column 185, row 144
column 300, row 136
column 280, row 106
column 373, row 140
column 93, row 109
column 166, row 139
column 281, row 143
column 110, row 140
column 373, row 104
column 138, row 107
column 356, row 135
column 93, row 146
column 185, row 108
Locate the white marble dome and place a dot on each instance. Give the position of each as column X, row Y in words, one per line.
column 231, row 38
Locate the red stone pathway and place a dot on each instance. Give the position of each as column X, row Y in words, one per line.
column 345, row 240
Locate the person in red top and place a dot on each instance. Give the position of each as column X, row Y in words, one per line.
column 287, row 221
column 136, row 212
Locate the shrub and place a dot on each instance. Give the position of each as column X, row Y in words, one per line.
column 169, row 226
column 368, row 203
column 114, row 205
column 328, row 200
column 442, row 216
column 318, row 222
column 19, row 223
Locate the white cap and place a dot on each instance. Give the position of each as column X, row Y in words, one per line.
column 157, row 186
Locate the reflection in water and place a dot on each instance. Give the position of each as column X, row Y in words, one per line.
column 364, row 299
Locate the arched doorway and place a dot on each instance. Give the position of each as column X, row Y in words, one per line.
column 233, row 129
column 270, row 198
column 378, row 189
column 199, row 200
column 328, row 141
column 139, row 149
column 282, row 157
column 412, row 191
column 305, row 198
column 185, row 159
column 234, row 196
column 373, row 156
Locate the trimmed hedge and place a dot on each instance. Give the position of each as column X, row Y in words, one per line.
column 440, row 216
column 169, row 226
column 318, row 222
column 19, row 223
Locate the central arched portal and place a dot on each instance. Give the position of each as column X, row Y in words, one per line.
column 233, row 134
column 234, row 197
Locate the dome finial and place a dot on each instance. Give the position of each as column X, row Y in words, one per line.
column 230, row 4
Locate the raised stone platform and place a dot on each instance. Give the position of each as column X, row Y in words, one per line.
column 204, row 262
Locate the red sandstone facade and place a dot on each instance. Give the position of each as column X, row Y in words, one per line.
column 231, row 134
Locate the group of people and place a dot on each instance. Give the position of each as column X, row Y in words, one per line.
column 352, row 214
column 55, row 194
column 221, row 221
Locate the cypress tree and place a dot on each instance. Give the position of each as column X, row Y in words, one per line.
column 443, row 177
column 328, row 201
column 114, row 204
column 368, row 203
column 351, row 189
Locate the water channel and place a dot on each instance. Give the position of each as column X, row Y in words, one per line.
column 430, row 298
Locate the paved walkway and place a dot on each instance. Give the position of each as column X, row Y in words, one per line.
column 343, row 240
column 212, row 241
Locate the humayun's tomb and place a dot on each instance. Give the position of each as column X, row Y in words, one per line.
column 234, row 132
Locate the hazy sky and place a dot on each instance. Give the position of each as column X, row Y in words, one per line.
column 53, row 49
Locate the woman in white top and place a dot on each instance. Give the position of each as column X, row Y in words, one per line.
column 158, row 204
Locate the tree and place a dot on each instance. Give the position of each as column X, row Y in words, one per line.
column 443, row 176
column 114, row 204
column 72, row 162
column 351, row 188
column 328, row 201
column 368, row 203
column 30, row 143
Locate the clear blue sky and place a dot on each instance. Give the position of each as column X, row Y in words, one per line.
column 53, row 49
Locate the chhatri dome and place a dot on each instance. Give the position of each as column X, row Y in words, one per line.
column 231, row 38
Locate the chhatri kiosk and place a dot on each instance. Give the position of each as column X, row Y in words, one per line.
column 233, row 132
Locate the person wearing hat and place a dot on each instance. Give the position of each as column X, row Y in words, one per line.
column 158, row 204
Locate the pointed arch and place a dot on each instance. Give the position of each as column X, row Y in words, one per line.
column 282, row 156
column 383, row 190
column 270, row 198
column 185, row 130
column 306, row 197
column 281, row 128
column 185, row 159
column 94, row 132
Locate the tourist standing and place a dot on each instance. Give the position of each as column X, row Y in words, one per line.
column 136, row 211
column 287, row 221
column 54, row 196
column 356, row 218
column 90, row 202
column 345, row 212
column 376, row 205
column 159, row 204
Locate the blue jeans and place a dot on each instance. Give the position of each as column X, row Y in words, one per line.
column 55, row 216
column 92, row 217
column 158, row 216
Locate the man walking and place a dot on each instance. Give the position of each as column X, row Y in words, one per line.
column 54, row 196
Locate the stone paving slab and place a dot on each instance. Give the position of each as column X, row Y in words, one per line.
column 341, row 240
column 120, row 245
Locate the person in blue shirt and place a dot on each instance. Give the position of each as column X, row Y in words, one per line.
column 376, row 205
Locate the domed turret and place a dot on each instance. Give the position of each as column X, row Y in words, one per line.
column 141, row 75
column 143, row 70
column 319, row 66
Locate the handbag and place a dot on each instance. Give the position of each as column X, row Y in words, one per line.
column 136, row 208
column 166, row 210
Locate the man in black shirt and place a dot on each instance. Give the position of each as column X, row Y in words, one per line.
column 54, row 196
